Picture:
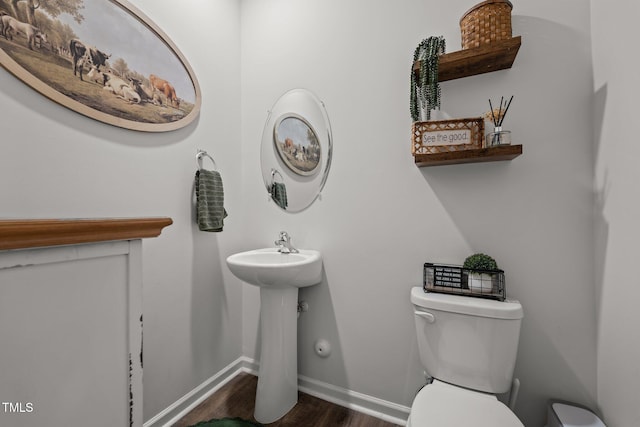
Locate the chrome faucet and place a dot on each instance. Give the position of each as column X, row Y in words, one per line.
column 284, row 244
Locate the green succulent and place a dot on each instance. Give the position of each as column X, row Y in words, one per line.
column 480, row 262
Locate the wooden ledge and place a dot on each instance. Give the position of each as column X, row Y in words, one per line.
column 478, row 60
column 491, row 154
column 31, row 233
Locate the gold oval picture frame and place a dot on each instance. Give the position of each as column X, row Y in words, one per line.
column 103, row 59
column 297, row 144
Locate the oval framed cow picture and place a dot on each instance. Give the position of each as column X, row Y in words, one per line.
column 297, row 144
column 101, row 58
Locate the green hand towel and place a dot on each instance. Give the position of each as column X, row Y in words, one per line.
column 279, row 194
column 210, row 211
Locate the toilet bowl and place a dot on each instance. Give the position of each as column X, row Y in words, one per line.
column 566, row 414
column 444, row 405
column 468, row 346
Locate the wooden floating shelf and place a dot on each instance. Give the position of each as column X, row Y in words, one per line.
column 491, row 154
column 470, row 62
column 31, row 233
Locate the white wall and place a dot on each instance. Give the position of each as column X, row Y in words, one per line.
column 56, row 163
column 381, row 217
column 616, row 211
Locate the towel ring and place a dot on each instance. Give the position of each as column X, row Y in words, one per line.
column 274, row 172
column 273, row 176
column 200, row 155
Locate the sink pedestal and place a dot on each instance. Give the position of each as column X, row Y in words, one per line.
column 278, row 275
column 277, row 390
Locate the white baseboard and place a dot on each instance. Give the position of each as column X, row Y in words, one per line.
column 189, row 401
column 383, row 409
column 388, row 411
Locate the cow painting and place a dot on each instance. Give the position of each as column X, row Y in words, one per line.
column 11, row 26
column 166, row 88
column 85, row 54
column 121, row 88
column 97, row 76
column 146, row 93
column 95, row 58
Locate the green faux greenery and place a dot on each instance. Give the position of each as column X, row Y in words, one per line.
column 480, row 262
column 425, row 92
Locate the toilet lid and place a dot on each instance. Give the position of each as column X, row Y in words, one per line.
column 444, row 405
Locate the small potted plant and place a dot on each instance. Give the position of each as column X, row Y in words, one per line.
column 481, row 269
column 425, row 88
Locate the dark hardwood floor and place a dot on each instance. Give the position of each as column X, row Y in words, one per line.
column 237, row 398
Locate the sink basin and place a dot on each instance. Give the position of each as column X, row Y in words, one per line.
column 279, row 276
column 270, row 268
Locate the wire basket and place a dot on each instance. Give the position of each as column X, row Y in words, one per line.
column 485, row 23
column 453, row 279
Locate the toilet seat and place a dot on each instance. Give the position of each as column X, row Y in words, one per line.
column 444, row 405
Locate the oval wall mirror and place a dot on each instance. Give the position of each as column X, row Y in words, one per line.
column 296, row 150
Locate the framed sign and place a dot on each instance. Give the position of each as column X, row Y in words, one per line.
column 101, row 58
column 441, row 136
column 297, row 144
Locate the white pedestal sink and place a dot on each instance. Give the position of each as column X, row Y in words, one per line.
column 279, row 276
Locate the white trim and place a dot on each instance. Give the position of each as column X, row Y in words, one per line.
column 189, row 401
column 12, row 258
column 385, row 410
column 134, row 318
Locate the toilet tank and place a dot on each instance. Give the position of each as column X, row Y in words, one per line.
column 467, row 341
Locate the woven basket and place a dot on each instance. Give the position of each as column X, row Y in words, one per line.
column 485, row 23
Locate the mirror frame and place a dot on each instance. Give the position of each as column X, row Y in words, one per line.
column 302, row 189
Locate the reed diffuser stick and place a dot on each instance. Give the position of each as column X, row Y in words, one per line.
column 505, row 110
column 498, row 118
column 492, row 115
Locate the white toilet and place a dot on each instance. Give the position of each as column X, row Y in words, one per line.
column 468, row 346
